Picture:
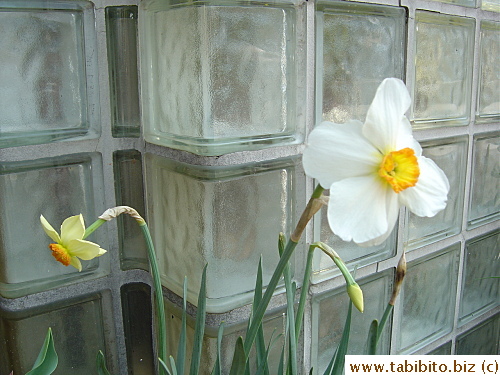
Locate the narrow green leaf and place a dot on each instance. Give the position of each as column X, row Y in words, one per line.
column 164, row 366
column 290, row 314
column 173, row 366
column 260, row 345
column 101, row 364
column 371, row 341
column 47, row 359
column 217, row 369
column 181, row 347
column 303, row 293
column 338, row 366
column 200, row 325
column 281, row 367
column 239, row 358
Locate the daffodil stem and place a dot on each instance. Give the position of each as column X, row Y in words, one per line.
column 384, row 319
column 160, row 307
column 91, row 229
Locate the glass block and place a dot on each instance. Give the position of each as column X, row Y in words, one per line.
column 78, row 327
column 352, row 254
column 274, row 324
column 357, row 46
column 444, row 349
column 443, row 69
column 49, row 77
column 233, row 80
column 466, row 3
column 137, row 324
column 488, row 107
column 129, row 191
column 480, row 340
column 484, row 204
column 451, row 156
column 428, row 299
column 480, row 288
column 57, row 188
column 227, row 217
column 491, row 5
column 121, row 32
column 329, row 312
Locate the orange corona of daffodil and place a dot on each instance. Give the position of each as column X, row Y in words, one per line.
column 70, row 245
column 373, row 169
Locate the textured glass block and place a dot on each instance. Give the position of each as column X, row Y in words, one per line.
column 274, row 324
column 451, row 156
column 138, row 325
column 55, row 188
column 49, row 85
column 352, row 254
column 78, row 327
column 444, row 349
column 491, row 5
column 230, row 81
column 227, row 217
column 443, row 69
column 484, row 205
column 480, row 288
column 329, row 312
column 129, row 191
column 357, row 47
column 488, row 107
column 480, row 340
column 121, row 28
column 428, row 299
column 466, row 3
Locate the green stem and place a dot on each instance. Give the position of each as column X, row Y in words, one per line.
column 384, row 319
column 91, row 229
column 303, row 292
column 160, row 307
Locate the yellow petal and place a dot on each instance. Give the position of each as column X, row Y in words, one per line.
column 85, row 250
column 356, row 295
column 51, row 232
column 75, row 262
column 73, row 228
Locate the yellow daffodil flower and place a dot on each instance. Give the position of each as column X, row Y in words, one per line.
column 70, row 245
column 373, row 169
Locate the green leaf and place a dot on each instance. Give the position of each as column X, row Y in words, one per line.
column 338, row 365
column 260, row 345
column 101, row 364
column 173, row 366
column 371, row 341
column 239, row 358
column 200, row 325
column 217, row 369
column 181, row 348
column 47, row 359
column 164, row 366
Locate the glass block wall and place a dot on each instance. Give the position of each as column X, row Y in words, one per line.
column 196, row 114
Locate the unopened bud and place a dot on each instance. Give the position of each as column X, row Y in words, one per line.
column 356, row 295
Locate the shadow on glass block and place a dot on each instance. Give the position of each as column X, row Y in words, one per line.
column 231, row 81
column 49, row 85
column 55, row 188
column 480, row 340
column 444, row 349
column 228, row 217
column 78, row 328
column 329, row 312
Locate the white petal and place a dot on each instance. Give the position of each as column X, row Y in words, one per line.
column 362, row 209
column 72, row 228
column 75, row 262
column 429, row 195
column 405, row 138
column 338, row 151
column 51, row 232
column 82, row 249
column 386, row 113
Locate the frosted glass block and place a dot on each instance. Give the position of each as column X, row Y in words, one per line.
column 227, row 217
column 121, row 29
column 444, row 349
column 129, row 191
column 428, row 299
column 443, row 69
column 491, row 5
column 451, row 156
column 49, row 81
column 480, row 288
column 484, row 205
column 329, row 312
column 480, row 340
column 233, row 80
column 57, row 188
column 78, row 327
column 466, row 3
column 352, row 254
column 488, row 107
column 357, row 47
column 138, row 325
column 274, row 324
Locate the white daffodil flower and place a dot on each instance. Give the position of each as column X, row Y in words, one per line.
column 70, row 245
column 374, row 168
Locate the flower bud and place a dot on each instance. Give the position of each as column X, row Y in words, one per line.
column 356, row 295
